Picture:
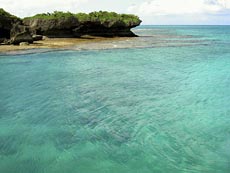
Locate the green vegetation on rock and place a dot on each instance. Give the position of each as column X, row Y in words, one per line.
column 82, row 17
column 101, row 16
column 54, row 15
column 3, row 13
column 66, row 24
column 104, row 16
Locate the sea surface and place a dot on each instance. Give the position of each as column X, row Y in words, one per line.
column 158, row 103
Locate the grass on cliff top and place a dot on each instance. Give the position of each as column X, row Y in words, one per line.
column 54, row 15
column 101, row 16
column 6, row 14
column 104, row 16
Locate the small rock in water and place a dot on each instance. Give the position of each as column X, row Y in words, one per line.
column 23, row 44
column 44, row 37
column 37, row 37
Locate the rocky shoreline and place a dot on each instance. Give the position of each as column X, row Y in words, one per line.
column 16, row 31
column 85, row 43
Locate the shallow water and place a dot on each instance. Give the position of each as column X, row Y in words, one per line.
column 161, row 106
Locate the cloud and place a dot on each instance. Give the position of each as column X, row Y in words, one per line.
column 150, row 11
column 225, row 3
column 179, row 7
column 30, row 7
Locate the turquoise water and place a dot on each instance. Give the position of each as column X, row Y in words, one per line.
column 162, row 106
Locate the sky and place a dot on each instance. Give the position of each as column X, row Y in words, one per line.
column 156, row 12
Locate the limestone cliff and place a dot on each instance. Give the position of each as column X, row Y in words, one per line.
column 14, row 30
column 6, row 23
column 106, row 24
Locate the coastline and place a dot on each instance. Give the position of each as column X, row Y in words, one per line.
column 63, row 29
column 87, row 42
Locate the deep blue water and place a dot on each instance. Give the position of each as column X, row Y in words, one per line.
column 161, row 105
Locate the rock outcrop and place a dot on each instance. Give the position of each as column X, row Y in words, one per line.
column 20, row 33
column 105, row 24
column 6, row 23
column 58, row 27
column 12, row 31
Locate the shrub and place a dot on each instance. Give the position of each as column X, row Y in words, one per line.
column 6, row 14
column 100, row 16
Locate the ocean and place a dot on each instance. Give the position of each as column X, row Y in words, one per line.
column 158, row 103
